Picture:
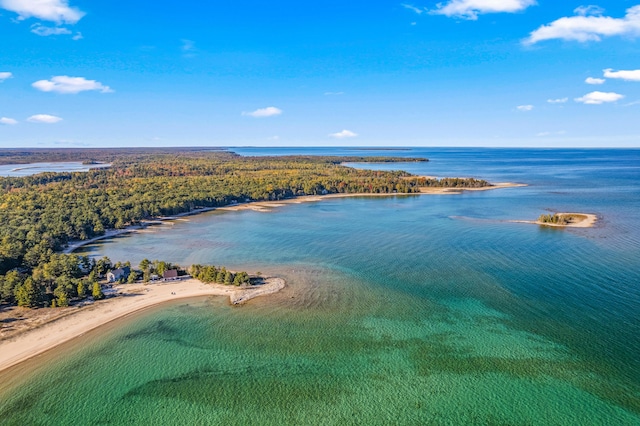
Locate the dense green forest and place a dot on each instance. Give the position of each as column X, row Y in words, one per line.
column 40, row 214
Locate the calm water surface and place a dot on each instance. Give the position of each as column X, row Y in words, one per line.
column 18, row 170
column 399, row 310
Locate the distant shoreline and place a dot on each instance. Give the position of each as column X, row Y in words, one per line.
column 263, row 206
column 131, row 298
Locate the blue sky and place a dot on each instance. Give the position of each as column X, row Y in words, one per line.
column 420, row 73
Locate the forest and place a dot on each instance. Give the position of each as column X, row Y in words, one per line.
column 40, row 214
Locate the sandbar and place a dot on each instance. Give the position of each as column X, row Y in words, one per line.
column 130, row 298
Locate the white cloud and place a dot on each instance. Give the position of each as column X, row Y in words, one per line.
column 5, row 75
column 597, row 98
column 470, row 9
column 590, row 10
column 593, row 80
column 46, row 10
column 524, row 107
column 628, row 75
column 41, row 30
column 558, row 101
column 8, row 121
column 78, row 36
column 65, row 84
column 588, row 27
column 413, row 8
column 333, row 93
column 44, row 118
column 344, row 134
column 264, row 112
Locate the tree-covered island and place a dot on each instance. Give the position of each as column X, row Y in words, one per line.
column 41, row 214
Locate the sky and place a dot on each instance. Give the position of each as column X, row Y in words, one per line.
column 494, row 73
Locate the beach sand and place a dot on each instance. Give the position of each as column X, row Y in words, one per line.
column 130, row 298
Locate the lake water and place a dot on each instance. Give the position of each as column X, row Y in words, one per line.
column 18, row 170
column 399, row 310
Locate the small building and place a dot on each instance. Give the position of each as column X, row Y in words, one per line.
column 170, row 275
column 118, row 274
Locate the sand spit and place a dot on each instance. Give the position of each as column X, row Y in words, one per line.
column 129, row 298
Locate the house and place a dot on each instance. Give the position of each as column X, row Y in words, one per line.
column 170, row 275
column 118, row 274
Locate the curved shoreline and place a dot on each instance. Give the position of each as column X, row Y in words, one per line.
column 263, row 206
column 130, row 298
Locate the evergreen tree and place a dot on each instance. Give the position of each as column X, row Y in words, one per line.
column 29, row 293
column 97, row 291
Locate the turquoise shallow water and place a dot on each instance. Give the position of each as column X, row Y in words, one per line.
column 400, row 310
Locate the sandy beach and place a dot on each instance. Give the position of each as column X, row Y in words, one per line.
column 587, row 220
column 130, row 298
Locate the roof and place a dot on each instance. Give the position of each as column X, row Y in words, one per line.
column 121, row 271
column 170, row 273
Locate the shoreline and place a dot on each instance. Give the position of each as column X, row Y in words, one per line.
column 588, row 221
column 264, row 206
column 131, row 298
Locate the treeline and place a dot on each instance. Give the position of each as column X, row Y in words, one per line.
column 555, row 219
column 452, row 183
column 55, row 282
column 211, row 274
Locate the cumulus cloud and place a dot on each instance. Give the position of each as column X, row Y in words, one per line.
column 344, row 134
column 5, row 75
column 588, row 25
column 593, row 80
column 628, row 75
column 524, row 108
column 46, row 10
column 264, row 112
column 557, row 101
column 597, row 98
column 8, row 121
column 41, row 30
column 44, row 118
column 470, row 9
column 70, row 85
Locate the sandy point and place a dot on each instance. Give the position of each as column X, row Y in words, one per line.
column 129, row 298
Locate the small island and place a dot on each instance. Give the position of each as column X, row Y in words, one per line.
column 564, row 220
